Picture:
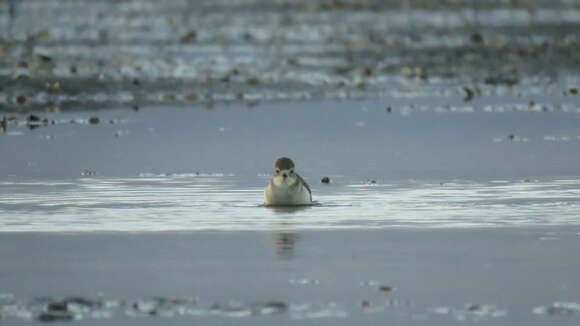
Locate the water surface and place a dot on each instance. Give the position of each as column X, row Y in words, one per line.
column 204, row 202
column 439, row 212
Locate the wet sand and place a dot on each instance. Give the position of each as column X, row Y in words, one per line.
column 408, row 277
column 142, row 52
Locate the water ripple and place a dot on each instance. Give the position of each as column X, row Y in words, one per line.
column 225, row 202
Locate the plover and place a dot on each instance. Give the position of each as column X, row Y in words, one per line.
column 287, row 187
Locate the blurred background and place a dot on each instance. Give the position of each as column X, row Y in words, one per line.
column 83, row 54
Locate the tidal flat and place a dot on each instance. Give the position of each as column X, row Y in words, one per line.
column 414, row 276
column 431, row 215
column 441, row 142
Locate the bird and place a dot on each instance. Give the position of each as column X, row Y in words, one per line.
column 286, row 188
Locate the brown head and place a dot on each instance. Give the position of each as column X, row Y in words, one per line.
column 284, row 163
column 284, row 168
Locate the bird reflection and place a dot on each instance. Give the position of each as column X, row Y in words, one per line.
column 285, row 238
column 285, row 243
column 289, row 209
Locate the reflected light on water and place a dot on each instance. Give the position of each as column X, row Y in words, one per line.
column 225, row 202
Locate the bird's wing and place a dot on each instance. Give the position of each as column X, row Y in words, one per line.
column 305, row 185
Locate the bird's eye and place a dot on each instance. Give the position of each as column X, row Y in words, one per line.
column 291, row 171
column 277, row 171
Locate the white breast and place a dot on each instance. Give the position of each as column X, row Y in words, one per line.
column 280, row 195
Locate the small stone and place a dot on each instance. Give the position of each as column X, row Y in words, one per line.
column 506, row 80
column 33, row 118
column 57, row 306
column 365, row 304
column 45, row 58
column 469, row 94
column 385, row 288
column 343, row 70
column 292, row 61
column 367, row 71
column 82, row 301
column 52, row 317
column 248, row 37
column 21, row 99
column 325, row 180
column 253, row 80
column 189, row 37
column 573, row 91
column 276, row 306
column 388, row 109
column 252, row 104
column 94, row 120
column 477, row 38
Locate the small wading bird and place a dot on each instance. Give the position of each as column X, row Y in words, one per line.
column 286, row 188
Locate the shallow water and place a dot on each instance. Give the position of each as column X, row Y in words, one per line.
column 438, row 212
column 227, row 203
column 404, row 276
column 432, row 163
